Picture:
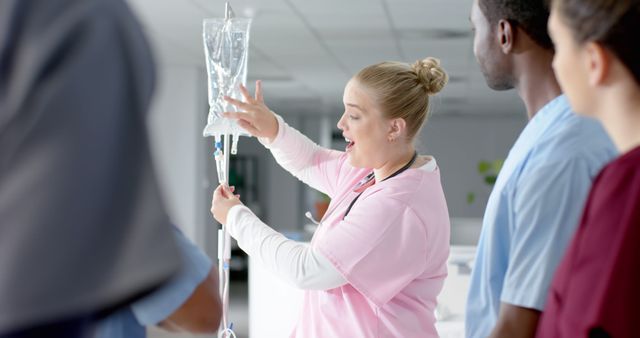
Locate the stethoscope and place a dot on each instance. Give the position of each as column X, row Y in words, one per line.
column 366, row 182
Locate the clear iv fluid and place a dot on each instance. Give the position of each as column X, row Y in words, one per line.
column 226, row 49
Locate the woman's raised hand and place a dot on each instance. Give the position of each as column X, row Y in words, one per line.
column 253, row 115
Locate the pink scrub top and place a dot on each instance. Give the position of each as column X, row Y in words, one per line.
column 392, row 249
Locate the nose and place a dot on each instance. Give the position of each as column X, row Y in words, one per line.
column 341, row 122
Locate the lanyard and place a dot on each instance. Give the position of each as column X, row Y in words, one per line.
column 371, row 176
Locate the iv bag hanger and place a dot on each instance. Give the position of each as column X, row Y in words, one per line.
column 228, row 12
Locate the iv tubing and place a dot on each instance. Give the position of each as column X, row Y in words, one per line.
column 224, row 250
column 226, row 156
column 220, row 158
column 223, row 270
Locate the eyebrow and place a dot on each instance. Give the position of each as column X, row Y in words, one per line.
column 355, row 106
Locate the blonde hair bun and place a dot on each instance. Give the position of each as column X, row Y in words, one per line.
column 431, row 75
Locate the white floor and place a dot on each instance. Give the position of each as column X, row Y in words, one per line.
column 238, row 314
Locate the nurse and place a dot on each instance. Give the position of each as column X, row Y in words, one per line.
column 595, row 290
column 378, row 260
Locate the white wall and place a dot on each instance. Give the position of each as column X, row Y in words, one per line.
column 459, row 142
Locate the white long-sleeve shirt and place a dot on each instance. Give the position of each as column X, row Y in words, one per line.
column 297, row 263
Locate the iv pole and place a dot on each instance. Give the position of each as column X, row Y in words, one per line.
column 224, row 239
column 226, row 48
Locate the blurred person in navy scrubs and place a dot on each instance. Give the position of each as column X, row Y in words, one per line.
column 83, row 228
column 189, row 302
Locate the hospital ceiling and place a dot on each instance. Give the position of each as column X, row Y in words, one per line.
column 305, row 51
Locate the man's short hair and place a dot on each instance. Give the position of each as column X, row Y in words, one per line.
column 530, row 15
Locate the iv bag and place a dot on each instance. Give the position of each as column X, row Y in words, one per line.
column 226, row 47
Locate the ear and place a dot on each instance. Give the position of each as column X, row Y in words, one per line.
column 506, row 36
column 397, row 128
column 597, row 62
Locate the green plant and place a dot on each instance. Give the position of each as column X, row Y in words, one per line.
column 322, row 197
column 321, row 205
column 488, row 170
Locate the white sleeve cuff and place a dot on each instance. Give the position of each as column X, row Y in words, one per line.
column 232, row 217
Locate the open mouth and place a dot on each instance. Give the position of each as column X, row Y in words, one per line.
column 350, row 144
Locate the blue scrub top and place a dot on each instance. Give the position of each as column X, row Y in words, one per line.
column 533, row 211
column 130, row 322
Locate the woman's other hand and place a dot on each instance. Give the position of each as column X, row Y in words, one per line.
column 253, row 115
column 223, row 201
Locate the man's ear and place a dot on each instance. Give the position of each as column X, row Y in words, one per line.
column 597, row 62
column 506, row 36
column 397, row 128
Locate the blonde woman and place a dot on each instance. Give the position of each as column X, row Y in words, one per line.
column 378, row 260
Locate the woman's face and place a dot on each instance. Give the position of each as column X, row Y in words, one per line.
column 364, row 128
column 571, row 65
